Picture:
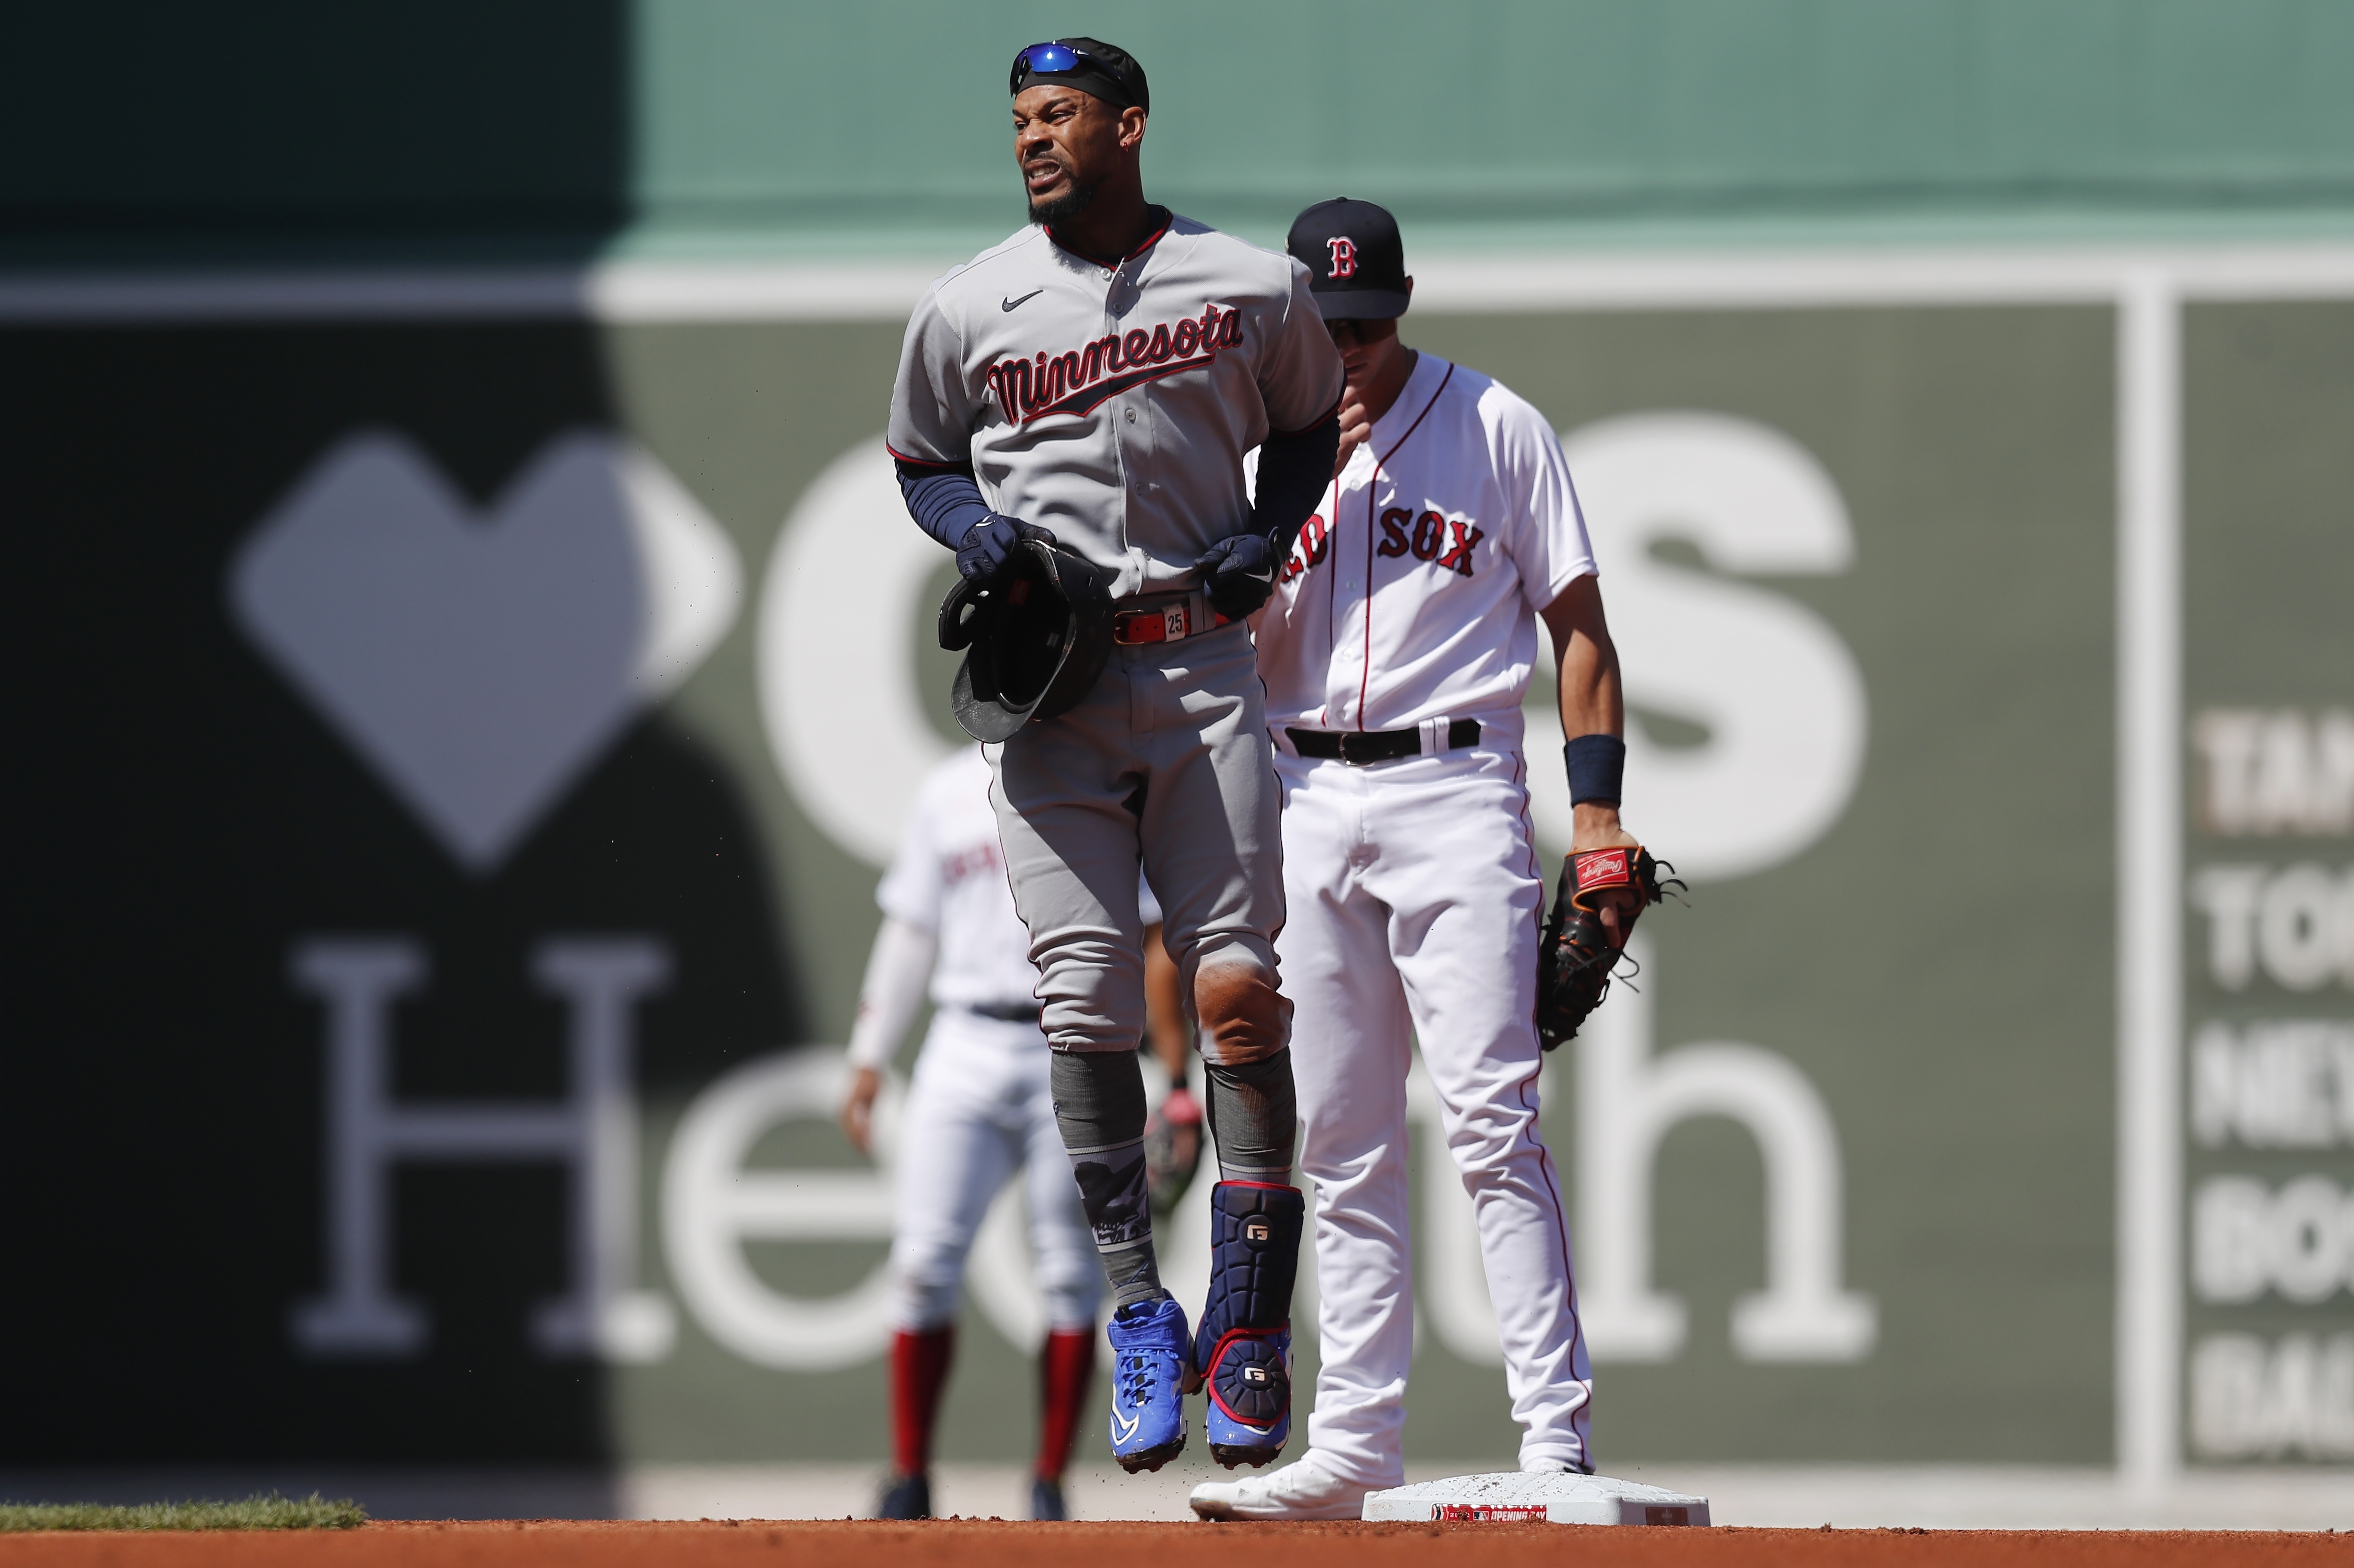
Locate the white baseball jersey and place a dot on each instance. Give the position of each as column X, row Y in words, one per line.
column 1411, row 597
column 1113, row 403
column 1411, row 593
column 948, row 878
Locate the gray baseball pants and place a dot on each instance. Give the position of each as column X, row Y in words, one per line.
column 1165, row 761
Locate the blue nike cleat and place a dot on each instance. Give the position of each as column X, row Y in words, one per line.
column 1244, row 1344
column 1150, row 1352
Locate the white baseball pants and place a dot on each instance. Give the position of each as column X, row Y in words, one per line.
column 1416, row 900
column 979, row 1107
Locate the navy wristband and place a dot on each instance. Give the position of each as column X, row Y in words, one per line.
column 1597, row 764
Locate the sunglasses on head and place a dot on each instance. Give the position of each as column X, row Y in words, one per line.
column 1048, row 58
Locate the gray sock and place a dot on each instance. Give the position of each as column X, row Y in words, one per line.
column 1099, row 1108
column 1255, row 1117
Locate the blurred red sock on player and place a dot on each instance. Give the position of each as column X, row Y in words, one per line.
column 1065, row 1365
column 920, row 1370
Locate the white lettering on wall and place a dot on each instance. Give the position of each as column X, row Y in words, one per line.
column 1777, row 690
column 834, row 663
column 2297, row 922
column 593, row 1132
column 2275, row 771
column 2253, row 1399
column 2246, row 1238
column 713, row 1201
column 1628, row 1100
column 2284, row 1083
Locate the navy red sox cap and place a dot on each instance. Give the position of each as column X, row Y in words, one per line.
column 1355, row 261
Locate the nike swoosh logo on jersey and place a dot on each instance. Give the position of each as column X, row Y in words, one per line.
column 1004, row 305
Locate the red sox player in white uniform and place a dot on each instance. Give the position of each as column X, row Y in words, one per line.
column 1396, row 652
column 979, row 1108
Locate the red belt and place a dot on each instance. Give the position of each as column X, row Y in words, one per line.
column 1173, row 621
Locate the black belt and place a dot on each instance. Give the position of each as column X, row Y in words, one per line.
column 1358, row 748
column 1007, row 1012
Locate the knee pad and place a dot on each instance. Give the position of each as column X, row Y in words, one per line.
column 1241, row 1346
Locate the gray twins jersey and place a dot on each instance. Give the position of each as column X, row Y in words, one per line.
column 1114, row 405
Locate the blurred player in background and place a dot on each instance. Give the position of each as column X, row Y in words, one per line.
column 980, row 1109
column 1396, row 652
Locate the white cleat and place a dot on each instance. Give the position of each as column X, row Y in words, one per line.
column 1299, row 1491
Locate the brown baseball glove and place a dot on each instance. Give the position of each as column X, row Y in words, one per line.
column 1602, row 892
column 1172, row 1150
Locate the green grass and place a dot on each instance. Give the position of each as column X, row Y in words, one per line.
column 271, row 1512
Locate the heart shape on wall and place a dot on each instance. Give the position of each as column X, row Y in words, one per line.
column 480, row 663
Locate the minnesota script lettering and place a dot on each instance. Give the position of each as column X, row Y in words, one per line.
column 1081, row 379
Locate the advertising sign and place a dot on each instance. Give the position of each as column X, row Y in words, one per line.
column 456, row 755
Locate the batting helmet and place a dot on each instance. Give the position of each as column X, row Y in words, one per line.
column 1036, row 635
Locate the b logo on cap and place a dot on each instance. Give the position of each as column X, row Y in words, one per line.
column 1344, row 256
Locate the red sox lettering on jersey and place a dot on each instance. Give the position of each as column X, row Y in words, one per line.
column 1428, row 537
column 971, row 860
column 1411, row 593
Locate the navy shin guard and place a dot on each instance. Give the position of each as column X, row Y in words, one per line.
column 1242, row 1345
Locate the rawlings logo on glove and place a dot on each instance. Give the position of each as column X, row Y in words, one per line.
column 1602, row 893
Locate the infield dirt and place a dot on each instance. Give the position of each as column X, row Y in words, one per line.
column 991, row 1543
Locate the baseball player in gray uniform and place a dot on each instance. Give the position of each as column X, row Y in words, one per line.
column 1095, row 382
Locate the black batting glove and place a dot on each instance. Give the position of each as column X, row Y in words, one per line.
column 988, row 546
column 1238, row 574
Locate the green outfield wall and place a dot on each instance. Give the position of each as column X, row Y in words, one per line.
column 319, row 844
column 693, row 126
column 472, row 664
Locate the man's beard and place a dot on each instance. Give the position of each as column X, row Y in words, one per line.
column 1064, row 207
